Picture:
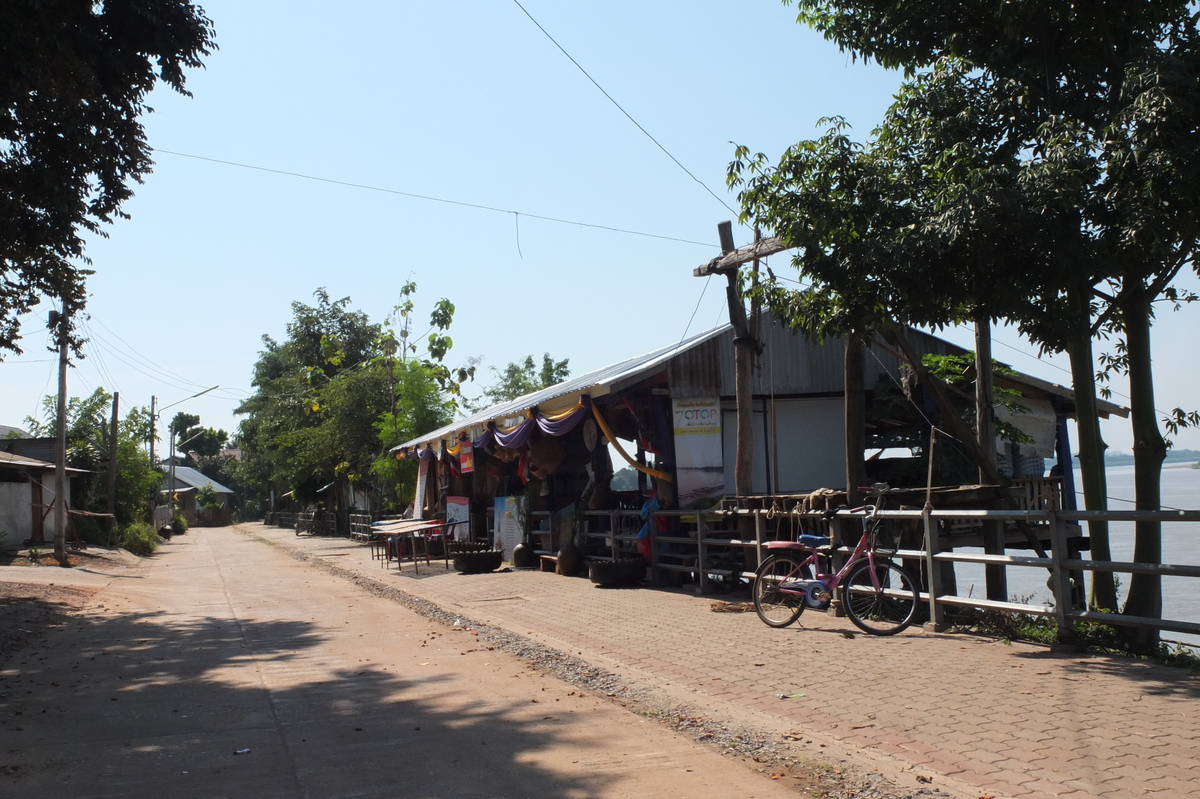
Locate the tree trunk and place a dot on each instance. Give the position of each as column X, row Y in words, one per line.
column 1103, row 595
column 995, row 575
column 1149, row 451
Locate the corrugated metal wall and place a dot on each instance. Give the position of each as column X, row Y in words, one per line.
column 792, row 364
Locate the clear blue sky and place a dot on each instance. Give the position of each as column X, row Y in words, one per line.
column 469, row 103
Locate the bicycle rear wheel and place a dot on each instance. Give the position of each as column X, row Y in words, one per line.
column 777, row 608
column 882, row 600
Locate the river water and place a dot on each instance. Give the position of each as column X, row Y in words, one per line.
column 1180, row 542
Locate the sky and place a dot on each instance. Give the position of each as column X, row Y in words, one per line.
column 359, row 146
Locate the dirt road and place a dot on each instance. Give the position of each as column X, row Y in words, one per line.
column 225, row 668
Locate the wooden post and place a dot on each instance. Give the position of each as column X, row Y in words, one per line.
column 743, row 360
column 1060, row 578
column 855, row 419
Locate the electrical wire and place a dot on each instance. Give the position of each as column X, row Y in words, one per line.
column 145, row 361
column 101, row 366
column 694, row 311
column 430, row 198
column 622, row 110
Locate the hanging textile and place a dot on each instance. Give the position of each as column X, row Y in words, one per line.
column 620, row 451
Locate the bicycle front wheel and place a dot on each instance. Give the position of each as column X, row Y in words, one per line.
column 777, row 608
column 880, row 600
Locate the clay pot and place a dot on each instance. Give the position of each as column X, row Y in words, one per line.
column 570, row 558
column 525, row 556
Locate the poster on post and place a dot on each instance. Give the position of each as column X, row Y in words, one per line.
column 508, row 524
column 422, row 481
column 458, row 509
column 698, row 464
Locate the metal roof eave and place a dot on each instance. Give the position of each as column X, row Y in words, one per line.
column 597, row 383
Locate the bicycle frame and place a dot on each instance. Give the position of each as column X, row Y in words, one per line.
column 863, row 550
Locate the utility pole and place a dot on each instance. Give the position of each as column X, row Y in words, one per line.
column 112, row 467
column 59, row 321
column 153, row 465
column 744, row 344
column 743, row 363
column 171, row 430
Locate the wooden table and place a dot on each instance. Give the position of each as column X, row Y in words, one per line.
column 407, row 533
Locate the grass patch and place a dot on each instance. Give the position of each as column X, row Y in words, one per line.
column 1091, row 636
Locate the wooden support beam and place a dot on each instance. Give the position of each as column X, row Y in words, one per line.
column 732, row 260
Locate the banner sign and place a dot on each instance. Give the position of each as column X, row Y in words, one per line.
column 699, row 467
column 508, row 524
column 458, row 509
column 422, row 480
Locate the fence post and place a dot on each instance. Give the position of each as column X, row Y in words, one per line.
column 612, row 534
column 937, row 622
column 701, row 534
column 759, row 530
column 655, row 572
column 1060, row 576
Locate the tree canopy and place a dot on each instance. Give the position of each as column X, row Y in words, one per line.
column 340, row 390
column 523, row 377
column 1038, row 166
column 76, row 77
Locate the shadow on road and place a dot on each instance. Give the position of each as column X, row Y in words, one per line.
column 150, row 704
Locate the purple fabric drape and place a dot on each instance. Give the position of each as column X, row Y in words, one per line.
column 519, row 435
column 515, row 438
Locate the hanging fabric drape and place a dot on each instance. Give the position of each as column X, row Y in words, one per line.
column 620, row 450
column 558, row 423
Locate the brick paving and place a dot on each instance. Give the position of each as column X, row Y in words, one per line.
column 981, row 716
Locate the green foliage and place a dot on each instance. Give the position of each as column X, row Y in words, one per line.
column 88, row 444
column 339, row 391
column 179, row 525
column 1039, row 165
column 521, row 378
column 77, row 75
column 207, row 497
column 139, row 538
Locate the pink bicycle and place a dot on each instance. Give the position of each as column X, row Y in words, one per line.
column 879, row 595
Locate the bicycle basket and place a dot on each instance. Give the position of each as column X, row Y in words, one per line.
column 885, row 538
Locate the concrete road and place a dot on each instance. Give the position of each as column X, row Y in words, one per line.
column 226, row 668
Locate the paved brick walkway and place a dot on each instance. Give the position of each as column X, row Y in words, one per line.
column 977, row 715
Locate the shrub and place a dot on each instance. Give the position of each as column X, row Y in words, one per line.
column 179, row 525
column 139, row 538
column 91, row 530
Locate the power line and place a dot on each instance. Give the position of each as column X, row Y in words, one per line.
column 430, row 198
column 623, row 111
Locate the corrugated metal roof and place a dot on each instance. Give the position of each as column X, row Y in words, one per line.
column 19, row 461
column 702, row 366
column 195, row 479
column 563, row 395
column 10, row 460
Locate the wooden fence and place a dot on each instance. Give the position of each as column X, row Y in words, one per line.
column 706, row 549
